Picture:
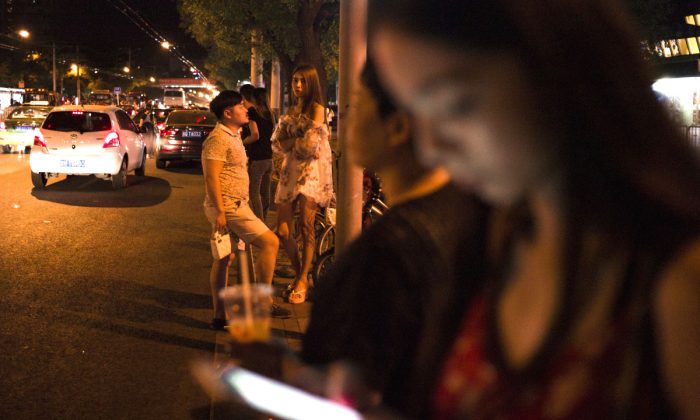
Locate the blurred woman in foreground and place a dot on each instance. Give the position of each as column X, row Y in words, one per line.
column 591, row 307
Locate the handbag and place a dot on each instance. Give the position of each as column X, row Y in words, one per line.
column 220, row 245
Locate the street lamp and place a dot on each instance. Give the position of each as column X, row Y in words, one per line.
column 126, row 69
column 152, row 79
column 23, row 33
column 165, row 44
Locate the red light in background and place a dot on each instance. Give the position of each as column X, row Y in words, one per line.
column 169, row 132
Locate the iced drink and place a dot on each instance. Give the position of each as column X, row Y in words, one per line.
column 248, row 311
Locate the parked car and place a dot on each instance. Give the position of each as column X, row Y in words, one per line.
column 182, row 136
column 87, row 140
column 101, row 97
column 17, row 131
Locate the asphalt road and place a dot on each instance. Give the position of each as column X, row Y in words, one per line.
column 104, row 301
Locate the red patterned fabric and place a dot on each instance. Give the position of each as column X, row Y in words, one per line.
column 597, row 378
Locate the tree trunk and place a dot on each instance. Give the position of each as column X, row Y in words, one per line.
column 310, row 35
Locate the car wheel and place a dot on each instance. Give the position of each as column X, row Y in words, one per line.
column 7, row 148
column 160, row 163
column 119, row 179
column 39, row 180
column 141, row 170
column 27, row 150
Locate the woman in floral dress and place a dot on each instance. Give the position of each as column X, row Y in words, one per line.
column 306, row 177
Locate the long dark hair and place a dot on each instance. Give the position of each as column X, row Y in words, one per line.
column 369, row 77
column 628, row 172
column 313, row 88
column 260, row 103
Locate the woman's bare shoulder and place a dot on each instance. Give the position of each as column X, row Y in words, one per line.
column 318, row 113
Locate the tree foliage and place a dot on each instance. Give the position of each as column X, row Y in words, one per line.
column 294, row 31
column 654, row 17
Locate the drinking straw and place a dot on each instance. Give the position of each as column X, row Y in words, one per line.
column 245, row 281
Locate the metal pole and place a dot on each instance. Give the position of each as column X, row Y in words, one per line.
column 53, row 71
column 353, row 53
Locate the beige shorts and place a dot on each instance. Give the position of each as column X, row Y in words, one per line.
column 242, row 223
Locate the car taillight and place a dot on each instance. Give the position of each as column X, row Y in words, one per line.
column 38, row 142
column 169, row 132
column 160, row 126
column 112, row 140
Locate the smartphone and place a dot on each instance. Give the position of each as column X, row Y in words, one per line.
column 282, row 400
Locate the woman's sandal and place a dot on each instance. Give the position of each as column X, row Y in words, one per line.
column 297, row 296
column 288, row 291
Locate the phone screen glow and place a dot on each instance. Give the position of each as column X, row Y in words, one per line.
column 283, row 400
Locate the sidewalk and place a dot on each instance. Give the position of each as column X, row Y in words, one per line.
column 290, row 330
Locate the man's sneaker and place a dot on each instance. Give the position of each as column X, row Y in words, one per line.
column 279, row 312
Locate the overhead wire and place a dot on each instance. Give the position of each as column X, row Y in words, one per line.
column 141, row 23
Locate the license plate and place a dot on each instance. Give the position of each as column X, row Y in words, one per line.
column 24, row 128
column 192, row 134
column 65, row 163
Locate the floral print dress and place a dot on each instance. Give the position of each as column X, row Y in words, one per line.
column 307, row 160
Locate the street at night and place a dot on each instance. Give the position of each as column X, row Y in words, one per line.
column 349, row 209
column 105, row 295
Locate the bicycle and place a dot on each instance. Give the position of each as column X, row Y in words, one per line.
column 373, row 208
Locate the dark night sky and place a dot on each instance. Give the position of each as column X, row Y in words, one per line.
column 103, row 33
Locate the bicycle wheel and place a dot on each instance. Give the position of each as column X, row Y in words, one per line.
column 326, row 240
column 323, row 263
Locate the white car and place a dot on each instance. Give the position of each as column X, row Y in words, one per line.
column 87, row 140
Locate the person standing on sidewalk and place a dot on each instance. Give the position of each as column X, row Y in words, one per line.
column 258, row 148
column 394, row 298
column 306, row 180
column 226, row 200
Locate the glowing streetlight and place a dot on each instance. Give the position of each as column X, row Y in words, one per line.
column 152, row 79
column 23, row 33
column 126, row 69
column 165, row 44
column 74, row 67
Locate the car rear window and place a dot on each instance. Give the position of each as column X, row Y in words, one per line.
column 174, row 93
column 26, row 112
column 83, row 121
column 200, row 118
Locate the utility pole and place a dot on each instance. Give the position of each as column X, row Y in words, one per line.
column 256, row 63
column 353, row 53
column 77, row 71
